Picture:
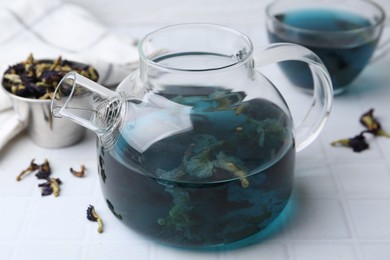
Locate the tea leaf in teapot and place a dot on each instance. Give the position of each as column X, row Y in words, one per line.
column 224, row 99
column 234, row 166
column 269, row 129
column 199, row 166
column 179, row 215
column 202, row 141
column 170, row 175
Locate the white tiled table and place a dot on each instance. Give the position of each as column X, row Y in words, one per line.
column 340, row 208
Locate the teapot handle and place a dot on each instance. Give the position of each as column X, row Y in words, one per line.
column 314, row 121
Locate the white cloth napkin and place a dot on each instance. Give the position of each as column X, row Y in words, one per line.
column 52, row 28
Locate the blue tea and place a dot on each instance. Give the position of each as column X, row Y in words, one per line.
column 344, row 56
column 222, row 181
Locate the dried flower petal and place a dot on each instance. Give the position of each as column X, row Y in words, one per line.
column 32, row 167
column 80, row 173
column 51, row 186
column 44, row 171
column 372, row 124
column 93, row 216
column 55, row 185
column 46, row 188
column 357, row 143
column 90, row 215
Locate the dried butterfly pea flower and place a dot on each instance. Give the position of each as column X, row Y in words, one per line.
column 13, row 77
column 372, row 124
column 357, row 143
column 30, row 59
column 80, row 173
column 32, row 167
column 46, row 189
column 44, row 171
column 51, row 186
column 93, row 216
column 38, row 78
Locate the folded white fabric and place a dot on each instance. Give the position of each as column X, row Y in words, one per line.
column 52, row 28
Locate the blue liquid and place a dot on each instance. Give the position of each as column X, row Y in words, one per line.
column 193, row 211
column 344, row 60
column 323, row 20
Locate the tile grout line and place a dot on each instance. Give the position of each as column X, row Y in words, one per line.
column 85, row 253
column 341, row 198
column 355, row 242
column 26, row 223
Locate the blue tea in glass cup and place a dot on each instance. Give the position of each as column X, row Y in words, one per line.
column 343, row 33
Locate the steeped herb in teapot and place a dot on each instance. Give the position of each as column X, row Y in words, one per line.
column 223, row 180
column 196, row 148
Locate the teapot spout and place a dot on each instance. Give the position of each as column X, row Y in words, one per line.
column 86, row 102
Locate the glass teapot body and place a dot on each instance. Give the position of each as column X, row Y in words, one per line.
column 225, row 174
column 196, row 147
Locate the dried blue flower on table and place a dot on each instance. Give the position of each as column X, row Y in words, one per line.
column 357, row 143
column 51, row 186
column 372, row 124
column 80, row 173
column 46, row 190
column 44, row 171
column 93, row 216
column 32, row 167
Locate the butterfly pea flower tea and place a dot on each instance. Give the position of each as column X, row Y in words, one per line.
column 344, row 34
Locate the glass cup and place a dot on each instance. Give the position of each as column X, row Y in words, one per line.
column 344, row 34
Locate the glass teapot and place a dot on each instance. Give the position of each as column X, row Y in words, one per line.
column 197, row 147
